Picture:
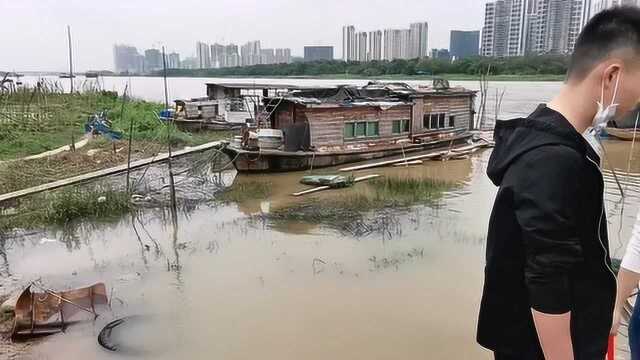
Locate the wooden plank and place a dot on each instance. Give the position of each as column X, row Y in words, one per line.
column 410, row 158
column 322, row 188
column 105, row 172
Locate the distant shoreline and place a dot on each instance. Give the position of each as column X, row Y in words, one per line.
column 397, row 77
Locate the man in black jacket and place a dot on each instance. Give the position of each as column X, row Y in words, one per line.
column 549, row 289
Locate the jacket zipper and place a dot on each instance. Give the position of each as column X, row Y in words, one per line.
column 606, row 252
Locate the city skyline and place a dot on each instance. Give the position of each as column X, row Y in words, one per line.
column 149, row 24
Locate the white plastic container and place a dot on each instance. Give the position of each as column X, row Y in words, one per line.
column 270, row 138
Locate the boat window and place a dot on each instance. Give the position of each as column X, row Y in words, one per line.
column 405, row 125
column 434, row 121
column 452, row 121
column 361, row 129
column 395, row 126
column 349, row 130
column 400, row 126
column 373, row 128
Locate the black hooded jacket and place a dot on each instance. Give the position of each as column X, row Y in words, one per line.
column 547, row 245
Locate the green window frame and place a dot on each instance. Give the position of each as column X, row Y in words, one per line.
column 406, row 125
column 399, row 127
column 395, row 127
column 373, row 129
column 349, row 130
column 361, row 129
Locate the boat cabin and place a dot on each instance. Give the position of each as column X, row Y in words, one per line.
column 230, row 102
column 377, row 115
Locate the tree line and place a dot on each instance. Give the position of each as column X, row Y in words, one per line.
column 532, row 65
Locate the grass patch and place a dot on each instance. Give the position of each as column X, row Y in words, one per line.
column 250, row 190
column 65, row 206
column 38, row 119
column 392, row 191
column 349, row 214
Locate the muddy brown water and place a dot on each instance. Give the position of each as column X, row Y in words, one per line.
column 234, row 288
column 229, row 286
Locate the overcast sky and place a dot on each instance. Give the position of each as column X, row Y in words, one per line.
column 33, row 35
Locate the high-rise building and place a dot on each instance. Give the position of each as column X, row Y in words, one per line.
column 217, row 55
column 405, row 44
column 190, row 63
column 152, row 60
column 283, row 56
column 441, row 54
column 125, row 59
column 464, row 44
column 375, row 45
column 362, row 47
column 387, row 48
column 203, row 54
column 231, row 56
column 419, row 40
column 317, row 53
column 250, row 53
column 287, row 56
column 504, row 32
column 267, row 56
column 173, row 61
column 599, row 5
column 559, row 24
column 519, row 27
column 139, row 65
column 516, row 28
column 349, row 43
column 396, row 44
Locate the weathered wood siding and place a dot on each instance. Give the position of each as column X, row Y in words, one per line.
column 459, row 106
column 418, row 114
column 283, row 116
column 327, row 124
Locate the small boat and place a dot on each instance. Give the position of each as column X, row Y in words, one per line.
column 66, row 76
column 623, row 134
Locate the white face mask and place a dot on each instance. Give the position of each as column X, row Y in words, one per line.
column 602, row 118
column 604, row 115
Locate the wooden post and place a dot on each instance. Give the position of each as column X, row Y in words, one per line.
column 172, row 187
column 70, row 58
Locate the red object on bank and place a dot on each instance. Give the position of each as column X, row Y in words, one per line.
column 611, row 352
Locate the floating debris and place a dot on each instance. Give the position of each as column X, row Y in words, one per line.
column 49, row 312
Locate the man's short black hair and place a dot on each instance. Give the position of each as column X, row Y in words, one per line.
column 610, row 30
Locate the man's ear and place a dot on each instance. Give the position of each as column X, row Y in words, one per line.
column 611, row 76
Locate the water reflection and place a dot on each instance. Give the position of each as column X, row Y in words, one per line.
column 225, row 282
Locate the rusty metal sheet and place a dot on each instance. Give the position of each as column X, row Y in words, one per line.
column 48, row 312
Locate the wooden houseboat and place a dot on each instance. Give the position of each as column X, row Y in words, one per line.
column 314, row 128
column 227, row 106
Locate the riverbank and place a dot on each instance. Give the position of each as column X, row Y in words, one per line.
column 38, row 119
column 396, row 77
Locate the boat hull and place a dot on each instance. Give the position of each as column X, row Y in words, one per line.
column 281, row 161
column 198, row 125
